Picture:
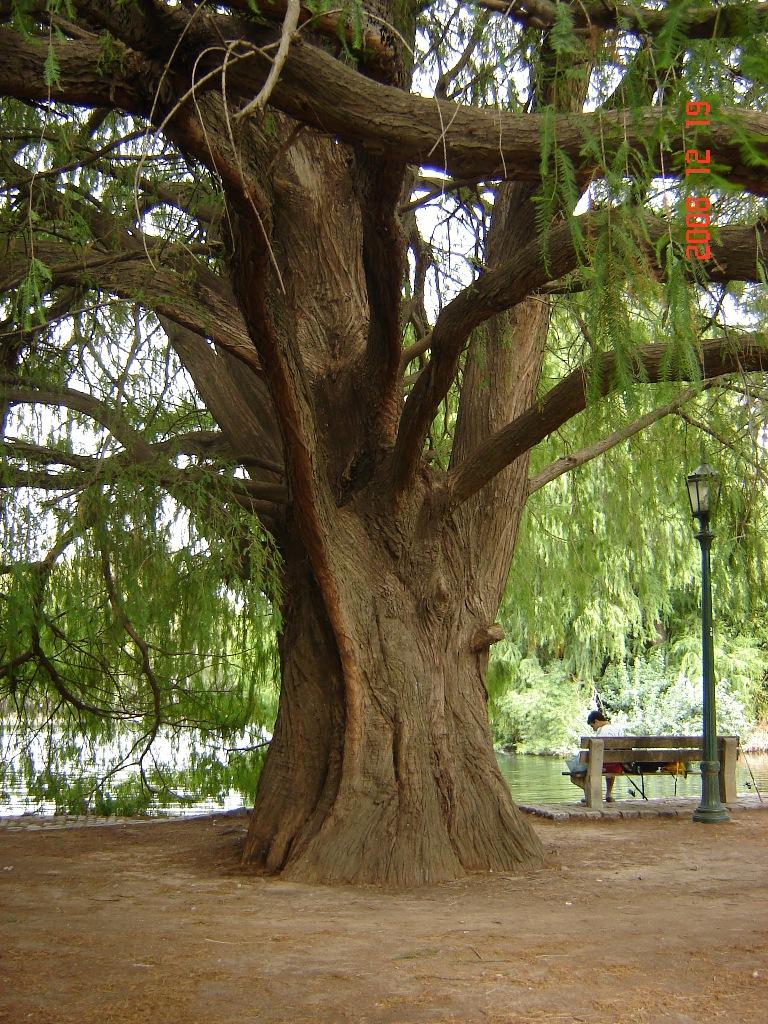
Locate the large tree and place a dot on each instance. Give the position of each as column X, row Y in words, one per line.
column 326, row 277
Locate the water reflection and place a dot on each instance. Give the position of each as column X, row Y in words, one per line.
column 190, row 773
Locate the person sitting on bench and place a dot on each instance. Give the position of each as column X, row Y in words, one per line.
column 601, row 726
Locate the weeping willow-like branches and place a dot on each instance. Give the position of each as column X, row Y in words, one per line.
column 136, row 578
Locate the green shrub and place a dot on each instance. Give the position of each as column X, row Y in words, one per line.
column 647, row 699
column 533, row 709
column 542, row 709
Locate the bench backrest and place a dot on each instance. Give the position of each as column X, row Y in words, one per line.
column 660, row 749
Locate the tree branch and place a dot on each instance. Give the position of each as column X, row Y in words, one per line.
column 200, row 301
column 42, row 571
column 585, row 455
column 236, row 397
column 16, row 390
column 22, row 74
column 379, row 186
column 705, row 428
column 739, row 256
column 373, row 52
column 708, row 22
column 290, row 24
column 91, row 470
column 450, row 74
column 470, row 143
column 569, row 397
column 201, row 443
column 320, row 91
column 146, row 662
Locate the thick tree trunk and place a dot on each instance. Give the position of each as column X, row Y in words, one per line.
column 383, row 771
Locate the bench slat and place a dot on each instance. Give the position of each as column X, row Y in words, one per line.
column 656, row 756
column 651, row 742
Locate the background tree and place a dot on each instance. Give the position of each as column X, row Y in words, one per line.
column 218, row 275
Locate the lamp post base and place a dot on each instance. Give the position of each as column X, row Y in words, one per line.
column 710, row 810
column 711, row 815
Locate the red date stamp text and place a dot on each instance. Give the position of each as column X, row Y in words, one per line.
column 698, row 208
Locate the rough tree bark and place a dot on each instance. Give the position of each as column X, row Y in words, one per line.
column 382, row 770
column 411, row 792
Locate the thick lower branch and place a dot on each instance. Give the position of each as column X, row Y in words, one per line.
column 585, row 455
column 738, row 256
column 322, row 92
column 569, row 398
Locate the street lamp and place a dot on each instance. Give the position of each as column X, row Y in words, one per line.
column 703, row 492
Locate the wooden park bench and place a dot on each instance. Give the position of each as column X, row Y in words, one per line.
column 645, row 755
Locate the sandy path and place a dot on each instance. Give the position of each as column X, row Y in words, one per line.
column 632, row 921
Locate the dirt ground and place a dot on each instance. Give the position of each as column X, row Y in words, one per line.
column 631, row 921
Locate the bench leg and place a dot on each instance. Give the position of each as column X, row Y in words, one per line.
column 594, row 782
column 728, row 754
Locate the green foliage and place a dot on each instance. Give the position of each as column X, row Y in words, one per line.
column 607, row 552
column 562, row 38
column 533, row 709
column 196, row 773
column 353, row 18
column 650, row 698
column 30, row 292
column 672, row 39
column 51, row 68
column 547, row 202
column 112, row 54
column 741, row 665
column 541, row 709
column 134, row 592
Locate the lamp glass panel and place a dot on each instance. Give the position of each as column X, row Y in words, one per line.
column 698, row 495
column 703, row 489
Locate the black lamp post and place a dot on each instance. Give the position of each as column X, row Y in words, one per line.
column 703, row 492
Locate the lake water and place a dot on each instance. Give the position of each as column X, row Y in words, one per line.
column 531, row 779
